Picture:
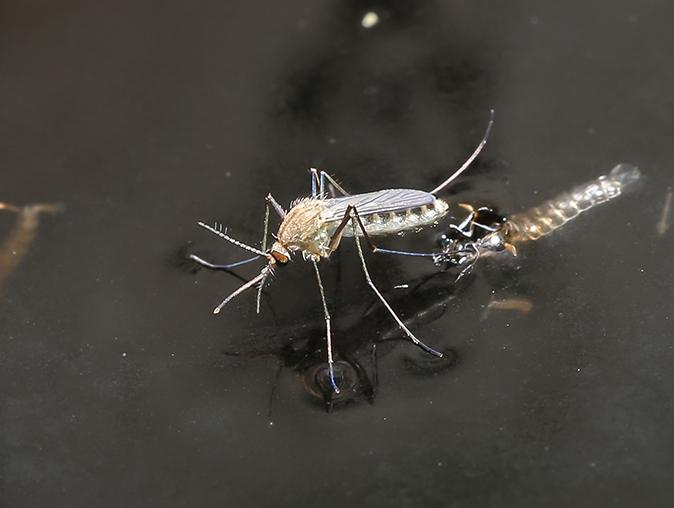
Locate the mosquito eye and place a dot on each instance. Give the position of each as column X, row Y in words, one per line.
column 281, row 259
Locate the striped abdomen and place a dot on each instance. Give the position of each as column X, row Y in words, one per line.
column 551, row 215
column 388, row 223
column 386, row 212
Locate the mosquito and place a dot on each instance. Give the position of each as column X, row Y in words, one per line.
column 315, row 226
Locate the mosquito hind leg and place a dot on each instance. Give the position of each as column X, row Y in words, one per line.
column 332, row 185
column 354, row 224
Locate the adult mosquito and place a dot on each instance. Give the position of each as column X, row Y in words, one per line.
column 315, row 227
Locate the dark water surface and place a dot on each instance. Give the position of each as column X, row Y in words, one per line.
column 118, row 387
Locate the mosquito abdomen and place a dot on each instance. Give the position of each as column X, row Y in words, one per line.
column 388, row 223
column 551, row 215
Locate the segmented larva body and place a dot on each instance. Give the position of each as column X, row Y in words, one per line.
column 551, row 215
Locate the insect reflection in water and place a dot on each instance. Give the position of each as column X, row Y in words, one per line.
column 315, row 226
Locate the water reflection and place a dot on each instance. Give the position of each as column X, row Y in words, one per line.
column 662, row 225
column 362, row 344
column 522, row 305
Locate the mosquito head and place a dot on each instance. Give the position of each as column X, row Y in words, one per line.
column 279, row 254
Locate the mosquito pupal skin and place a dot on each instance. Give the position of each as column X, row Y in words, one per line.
column 485, row 232
column 555, row 213
column 316, row 225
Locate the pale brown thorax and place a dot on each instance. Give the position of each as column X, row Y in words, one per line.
column 303, row 228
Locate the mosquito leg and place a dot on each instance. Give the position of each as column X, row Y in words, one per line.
column 417, row 342
column 472, row 259
column 484, row 226
column 269, row 200
column 339, row 231
column 315, row 182
column 260, row 278
column 228, row 268
column 379, row 250
column 260, row 287
column 320, row 181
column 468, row 222
column 465, row 234
column 328, row 336
column 265, row 230
column 332, row 183
column 465, row 271
column 277, row 208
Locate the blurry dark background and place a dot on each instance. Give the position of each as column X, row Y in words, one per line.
column 118, row 387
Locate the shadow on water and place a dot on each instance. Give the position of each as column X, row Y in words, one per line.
column 369, row 338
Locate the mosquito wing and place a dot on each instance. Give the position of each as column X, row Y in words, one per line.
column 383, row 201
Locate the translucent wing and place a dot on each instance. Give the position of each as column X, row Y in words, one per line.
column 384, row 201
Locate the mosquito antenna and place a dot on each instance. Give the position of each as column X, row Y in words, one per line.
column 232, row 240
column 250, row 283
column 470, row 159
